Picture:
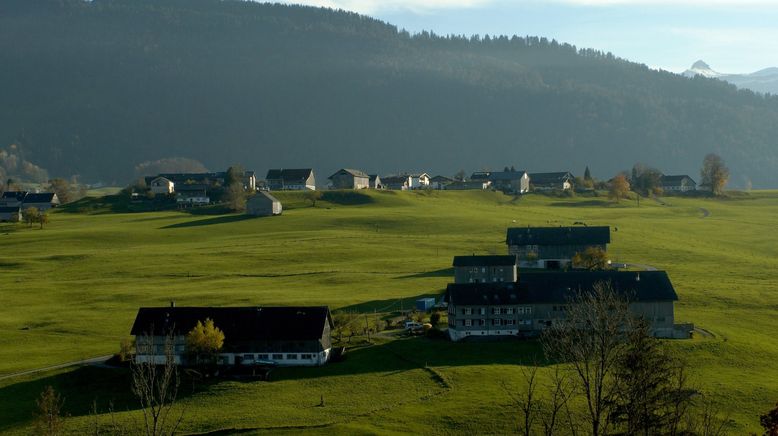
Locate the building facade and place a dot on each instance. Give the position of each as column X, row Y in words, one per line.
column 162, row 186
column 300, row 179
column 551, row 181
column 554, row 247
column 510, row 182
column 282, row 336
column 349, row 179
column 682, row 183
column 486, row 269
column 541, row 299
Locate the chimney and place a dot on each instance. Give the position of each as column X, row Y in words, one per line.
column 172, row 303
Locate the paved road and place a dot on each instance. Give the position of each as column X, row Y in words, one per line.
column 90, row 361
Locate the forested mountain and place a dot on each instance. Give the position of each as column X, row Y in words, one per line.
column 95, row 88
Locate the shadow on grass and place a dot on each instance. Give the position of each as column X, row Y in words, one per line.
column 445, row 272
column 347, row 198
column 403, row 355
column 587, row 203
column 224, row 219
column 81, row 389
column 389, row 305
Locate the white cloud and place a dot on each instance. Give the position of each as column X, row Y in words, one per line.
column 372, row 6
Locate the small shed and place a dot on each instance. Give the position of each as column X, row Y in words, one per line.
column 263, row 204
column 425, row 304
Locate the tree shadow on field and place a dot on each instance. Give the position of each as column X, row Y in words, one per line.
column 80, row 389
column 227, row 219
column 402, row 355
column 388, row 305
column 445, row 272
column 587, row 203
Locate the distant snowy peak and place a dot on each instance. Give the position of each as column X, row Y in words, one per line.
column 764, row 81
column 700, row 68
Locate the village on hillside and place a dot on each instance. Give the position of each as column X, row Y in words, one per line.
column 518, row 295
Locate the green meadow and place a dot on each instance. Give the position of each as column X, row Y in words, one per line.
column 71, row 291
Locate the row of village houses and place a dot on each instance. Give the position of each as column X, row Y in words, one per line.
column 13, row 203
column 519, row 294
column 195, row 187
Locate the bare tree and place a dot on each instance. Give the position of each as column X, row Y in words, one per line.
column 591, row 340
column 156, row 387
column 527, row 401
column 561, row 389
column 48, row 416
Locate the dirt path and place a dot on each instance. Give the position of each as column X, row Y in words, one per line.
column 90, row 361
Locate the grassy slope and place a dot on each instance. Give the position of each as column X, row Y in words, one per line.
column 72, row 290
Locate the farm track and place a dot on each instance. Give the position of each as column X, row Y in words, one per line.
column 90, row 361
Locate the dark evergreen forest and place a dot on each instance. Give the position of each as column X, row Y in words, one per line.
column 95, row 88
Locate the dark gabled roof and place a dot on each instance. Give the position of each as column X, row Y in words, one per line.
column 550, row 178
column 676, row 179
column 10, row 209
column 289, row 174
column 560, row 287
column 373, row 177
column 558, row 235
column 506, row 175
column 480, row 175
column 633, row 285
column 441, row 179
column 237, row 323
column 16, row 195
column 507, row 260
column 355, row 173
column 40, row 197
column 394, row 179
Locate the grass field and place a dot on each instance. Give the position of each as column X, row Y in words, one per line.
column 71, row 291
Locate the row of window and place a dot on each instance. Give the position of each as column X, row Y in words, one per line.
column 521, row 310
column 494, row 322
column 250, row 357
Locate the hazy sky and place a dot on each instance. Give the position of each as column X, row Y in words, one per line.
column 732, row 36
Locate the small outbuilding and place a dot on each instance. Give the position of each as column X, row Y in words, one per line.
column 263, row 204
column 425, row 304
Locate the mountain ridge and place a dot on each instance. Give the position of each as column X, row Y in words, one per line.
column 108, row 84
column 764, row 80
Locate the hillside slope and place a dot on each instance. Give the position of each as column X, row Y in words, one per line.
column 95, row 88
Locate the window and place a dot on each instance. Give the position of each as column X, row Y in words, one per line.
column 482, row 311
column 262, row 356
column 468, row 322
column 248, row 357
column 496, row 321
column 481, row 322
column 291, row 356
column 468, row 311
column 528, row 310
column 278, row 357
column 306, row 356
column 510, row 322
column 509, row 311
column 495, row 310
